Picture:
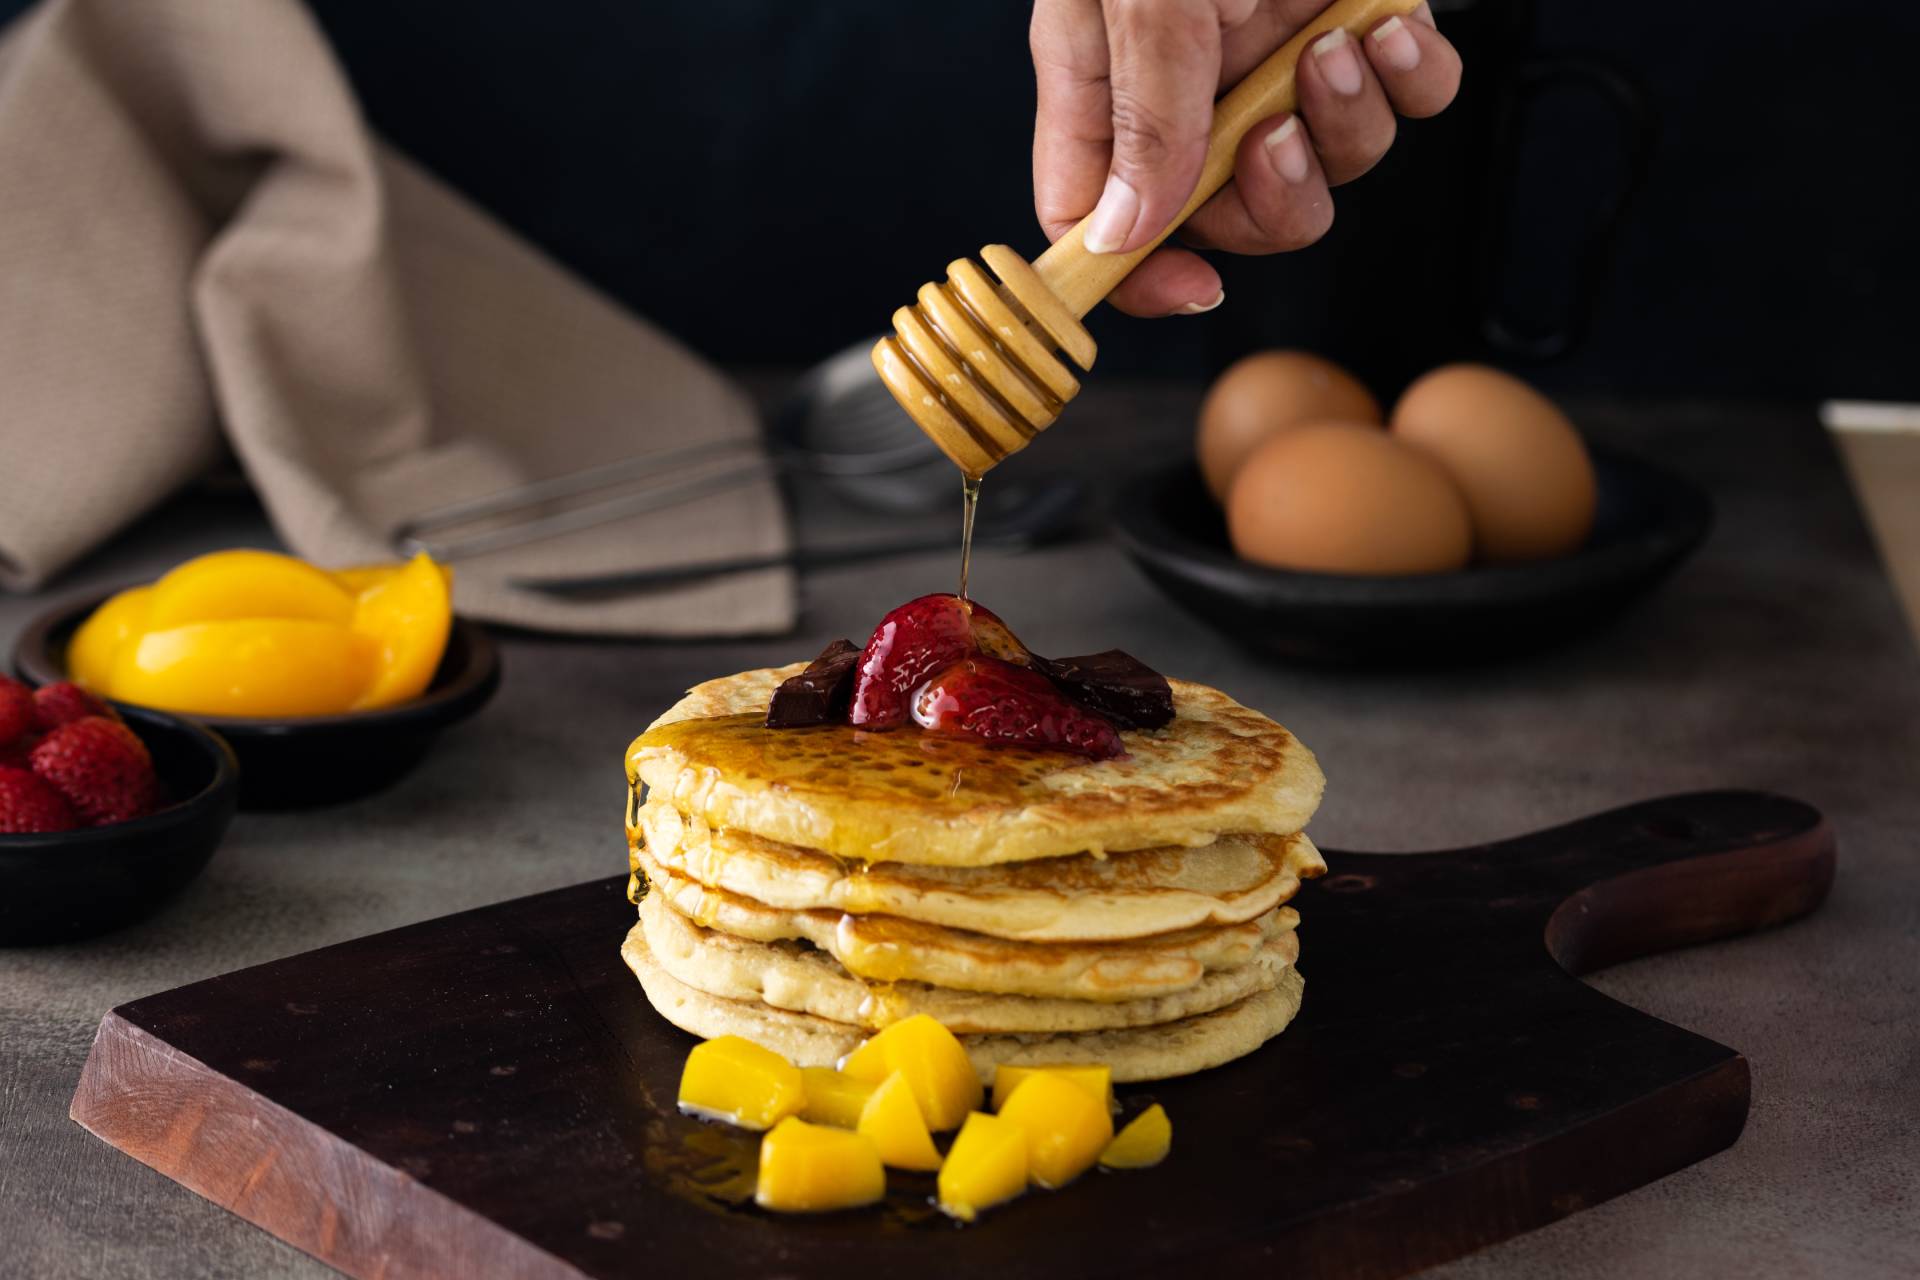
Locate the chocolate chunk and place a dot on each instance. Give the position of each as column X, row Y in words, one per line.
column 818, row 695
column 1118, row 685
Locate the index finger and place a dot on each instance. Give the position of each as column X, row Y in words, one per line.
column 1073, row 119
column 1164, row 64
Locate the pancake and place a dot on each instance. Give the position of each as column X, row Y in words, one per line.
column 795, row 977
column 1077, row 899
column 1144, row 1053
column 937, row 800
column 886, row 949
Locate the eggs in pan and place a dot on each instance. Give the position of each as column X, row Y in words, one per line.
column 1472, row 465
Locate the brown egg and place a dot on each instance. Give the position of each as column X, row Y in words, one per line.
column 1346, row 498
column 1518, row 462
column 1268, row 392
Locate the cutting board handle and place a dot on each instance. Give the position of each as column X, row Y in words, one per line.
column 1650, row 877
column 1687, row 869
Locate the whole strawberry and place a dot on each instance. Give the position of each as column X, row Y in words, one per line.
column 63, row 703
column 16, row 711
column 102, row 769
column 29, row 803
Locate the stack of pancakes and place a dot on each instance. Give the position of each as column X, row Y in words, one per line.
column 804, row 887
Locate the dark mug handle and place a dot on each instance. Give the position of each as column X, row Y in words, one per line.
column 1535, row 78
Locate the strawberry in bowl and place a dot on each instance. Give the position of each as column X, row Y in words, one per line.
column 104, row 814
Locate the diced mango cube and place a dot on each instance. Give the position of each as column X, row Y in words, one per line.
column 833, row 1097
column 867, row 1062
column 1143, row 1143
column 733, row 1079
column 988, row 1164
column 1098, row 1079
column 247, row 584
column 892, row 1119
column 808, row 1168
column 937, row 1068
column 1067, row 1127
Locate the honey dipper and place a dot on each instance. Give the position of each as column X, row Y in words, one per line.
column 973, row 360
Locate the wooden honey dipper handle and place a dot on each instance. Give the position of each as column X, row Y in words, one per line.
column 975, row 360
column 1081, row 279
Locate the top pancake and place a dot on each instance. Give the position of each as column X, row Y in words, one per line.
column 935, row 800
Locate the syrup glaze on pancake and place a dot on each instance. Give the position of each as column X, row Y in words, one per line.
column 888, row 949
column 797, row 977
column 909, row 796
column 1076, row 899
column 1133, row 1053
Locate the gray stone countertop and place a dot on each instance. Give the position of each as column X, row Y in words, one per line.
column 1776, row 659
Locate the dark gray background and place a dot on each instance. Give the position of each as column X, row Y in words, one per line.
column 689, row 156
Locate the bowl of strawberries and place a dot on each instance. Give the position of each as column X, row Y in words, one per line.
column 105, row 813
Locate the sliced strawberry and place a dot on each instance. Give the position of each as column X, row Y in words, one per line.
column 917, row 639
column 910, row 644
column 63, row 703
column 101, row 767
column 16, row 711
column 30, row 803
column 999, row 702
column 994, row 638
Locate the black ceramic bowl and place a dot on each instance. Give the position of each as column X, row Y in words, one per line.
column 1648, row 521
column 304, row 761
column 73, row 884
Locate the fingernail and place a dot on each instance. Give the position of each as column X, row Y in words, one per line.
column 1398, row 49
column 1113, row 218
column 1422, row 13
column 1338, row 62
column 1201, row 308
column 1288, row 150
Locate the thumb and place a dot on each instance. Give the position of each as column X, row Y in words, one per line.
column 1164, row 68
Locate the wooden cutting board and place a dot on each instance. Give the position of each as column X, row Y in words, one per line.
column 489, row 1094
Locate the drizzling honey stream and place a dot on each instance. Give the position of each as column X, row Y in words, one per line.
column 969, row 508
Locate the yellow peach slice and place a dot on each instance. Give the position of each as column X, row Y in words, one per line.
column 810, row 1168
column 407, row 618
column 988, row 1164
column 247, row 584
column 244, row 667
column 833, row 1097
column 1097, row 1079
column 1143, row 1143
column 1067, row 1127
column 94, row 646
column 357, row 578
column 892, row 1119
column 733, row 1079
column 937, row 1068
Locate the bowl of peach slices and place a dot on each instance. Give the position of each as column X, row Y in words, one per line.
column 328, row 684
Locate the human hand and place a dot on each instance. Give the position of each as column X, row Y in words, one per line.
column 1126, row 94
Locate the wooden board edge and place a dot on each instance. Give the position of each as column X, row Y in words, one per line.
column 254, row 1158
column 1483, row 1205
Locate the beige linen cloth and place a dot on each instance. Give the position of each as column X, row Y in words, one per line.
column 199, row 235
